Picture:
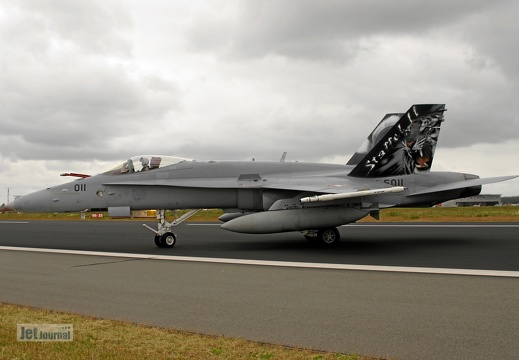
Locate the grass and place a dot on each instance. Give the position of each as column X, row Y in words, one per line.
column 106, row 339
column 449, row 214
column 204, row 215
column 438, row 214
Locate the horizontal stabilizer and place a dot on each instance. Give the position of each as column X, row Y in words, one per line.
column 330, row 197
column 463, row 184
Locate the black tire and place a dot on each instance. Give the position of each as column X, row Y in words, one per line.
column 157, row 241
column 329, row 236
column 168, row 240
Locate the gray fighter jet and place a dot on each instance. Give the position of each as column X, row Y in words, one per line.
column 391, row 168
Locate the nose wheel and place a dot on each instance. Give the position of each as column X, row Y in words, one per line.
column 164, row 237
column 167, row 240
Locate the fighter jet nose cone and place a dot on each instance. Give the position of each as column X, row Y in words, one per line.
column 38, row 201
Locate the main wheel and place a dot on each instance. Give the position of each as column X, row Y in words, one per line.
column 329, row 236
column 168, row 240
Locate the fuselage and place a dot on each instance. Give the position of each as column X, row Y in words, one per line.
column 243, row 185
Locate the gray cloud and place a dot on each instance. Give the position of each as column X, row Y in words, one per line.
column 81, row 106
column 455, row 52
column 88, row 82
column 65, row 92
column 96, row 27
column 325, row 31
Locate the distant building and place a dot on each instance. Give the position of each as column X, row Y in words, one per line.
column 478, row 200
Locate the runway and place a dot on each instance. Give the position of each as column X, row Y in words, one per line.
column 491, row 246
column 395, row 315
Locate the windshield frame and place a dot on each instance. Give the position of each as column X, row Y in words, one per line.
column 144, row 163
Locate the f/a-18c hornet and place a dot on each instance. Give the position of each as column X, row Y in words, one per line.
column 391, row 168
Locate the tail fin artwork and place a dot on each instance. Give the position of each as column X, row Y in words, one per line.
column 401, row 144
column 378, row 133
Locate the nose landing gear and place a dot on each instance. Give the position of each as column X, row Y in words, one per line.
column 164, row 237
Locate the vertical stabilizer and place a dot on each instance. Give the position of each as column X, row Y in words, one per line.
column 378, row 133
column 401, row 144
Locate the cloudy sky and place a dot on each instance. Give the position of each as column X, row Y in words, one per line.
column 86, row 84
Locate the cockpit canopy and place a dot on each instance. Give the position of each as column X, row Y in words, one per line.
column 145, row 163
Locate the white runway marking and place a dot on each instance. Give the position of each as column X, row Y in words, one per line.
column 398, row 269
column 13, row 222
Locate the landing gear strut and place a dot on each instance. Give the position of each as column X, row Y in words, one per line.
column 164, row 237
column 327, row 236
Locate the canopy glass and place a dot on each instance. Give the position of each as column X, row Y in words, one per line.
column 145, row 163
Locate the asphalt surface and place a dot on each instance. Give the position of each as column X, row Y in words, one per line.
column 491, row 246
column 393, row 315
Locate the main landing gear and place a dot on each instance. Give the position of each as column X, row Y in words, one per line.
column 164, row 237
column 326, row 236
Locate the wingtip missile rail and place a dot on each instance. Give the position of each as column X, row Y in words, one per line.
column 330, row 197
